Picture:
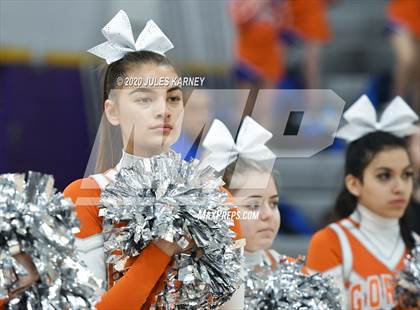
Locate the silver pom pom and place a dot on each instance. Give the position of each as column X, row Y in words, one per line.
column 287, row 287
column 407, row 288
column 163, row 197
column 37, row 223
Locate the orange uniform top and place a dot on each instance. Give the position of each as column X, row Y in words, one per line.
column 308, row 19
column 350, row 253
column 144, row 279
column 257, row 44
column 405, row 14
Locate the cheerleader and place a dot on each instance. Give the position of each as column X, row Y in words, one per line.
column 148, row 119
column 258, row 206
column 366, row 247
column 247, row 165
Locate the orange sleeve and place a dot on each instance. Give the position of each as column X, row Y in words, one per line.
column 135, row 287
column 236, row 222
column 2, row 304
column 324, row 251
column 85, row 195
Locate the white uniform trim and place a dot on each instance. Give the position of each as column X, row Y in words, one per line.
column 274, row 254
column 390, row 263
column 100, row 179
column 237, row 302
column 103, row 179
column 91, row 249
column 90, row 243
column 91, row 252
column 346, row 253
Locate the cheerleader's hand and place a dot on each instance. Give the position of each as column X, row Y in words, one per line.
column 172, row 248
column 25, row 281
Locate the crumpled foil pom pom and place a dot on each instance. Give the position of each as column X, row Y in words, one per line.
column 39, row 223
column 163, row 197
column 407, row 290
column 286, row 287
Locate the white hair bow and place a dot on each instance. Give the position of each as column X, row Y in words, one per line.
column 398, row 119
column 121, row 41
column 250, row 144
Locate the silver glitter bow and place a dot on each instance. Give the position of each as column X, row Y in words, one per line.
column 286, row 287
column 162, row 198
column 120, row 39
column 39, row 223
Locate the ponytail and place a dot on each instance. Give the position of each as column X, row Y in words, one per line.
column 407, row 232
column 345, row 204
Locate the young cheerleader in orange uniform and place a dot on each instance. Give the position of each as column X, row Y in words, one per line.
column 248, row 173
column 366, row 247
column 148, row 119
column 259, row 231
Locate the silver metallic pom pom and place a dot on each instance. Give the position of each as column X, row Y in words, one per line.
column 286, row 287
column 164, row 197
column 38, row 224
column 407, row 288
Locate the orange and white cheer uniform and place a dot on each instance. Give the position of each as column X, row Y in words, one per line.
column 363, row 252
column 137, row 288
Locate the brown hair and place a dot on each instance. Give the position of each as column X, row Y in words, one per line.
column 110, row 142
column 243, row 166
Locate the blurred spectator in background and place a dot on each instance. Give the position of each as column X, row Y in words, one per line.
column 306, row 22
column 404, row 23
column 259, row 55
column 258, row 51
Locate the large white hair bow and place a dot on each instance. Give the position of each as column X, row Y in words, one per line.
column 250, row 144
column 121, row 41
column 398, row 119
